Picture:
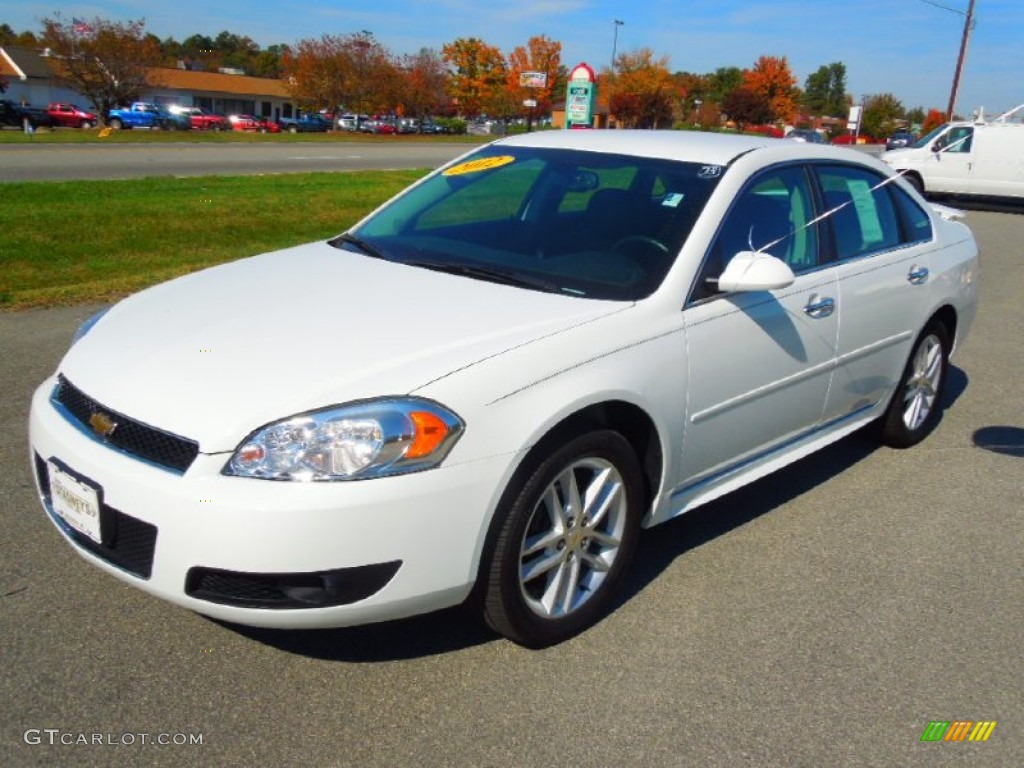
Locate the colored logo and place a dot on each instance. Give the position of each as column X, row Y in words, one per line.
column 958, row 730
column 102, row 424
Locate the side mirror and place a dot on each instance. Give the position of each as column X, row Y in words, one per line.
column 751, row 271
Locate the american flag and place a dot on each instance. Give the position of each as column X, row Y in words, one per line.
column 80, row 27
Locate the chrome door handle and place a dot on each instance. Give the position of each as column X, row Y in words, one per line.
column 917, row 275
column 819, row 308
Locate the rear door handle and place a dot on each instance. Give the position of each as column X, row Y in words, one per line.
column 917, row 275
column 819, row 308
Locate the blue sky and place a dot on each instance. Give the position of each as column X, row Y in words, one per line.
column 904, row 47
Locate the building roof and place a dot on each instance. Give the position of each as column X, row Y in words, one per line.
column 217, row 82
column 28, row 63
column 24, row 63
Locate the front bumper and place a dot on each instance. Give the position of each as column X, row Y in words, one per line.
column 275, row 554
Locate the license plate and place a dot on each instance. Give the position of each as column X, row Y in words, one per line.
column 77, row 503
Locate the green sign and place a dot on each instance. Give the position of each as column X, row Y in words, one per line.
column 579, row 103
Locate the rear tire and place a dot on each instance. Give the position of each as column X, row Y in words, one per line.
column 916, row 404
column 116, row 124
column 567, row 532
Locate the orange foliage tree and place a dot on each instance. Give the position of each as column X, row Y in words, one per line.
column 934, row 119
column 772, row 78
column 108, row 62
column 353, row 72
column 643, row 93
column 424, row 77
column 478, row 77
column 541, row 54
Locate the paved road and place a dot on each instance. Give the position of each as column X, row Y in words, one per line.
column 819, row 618
column 54, row 162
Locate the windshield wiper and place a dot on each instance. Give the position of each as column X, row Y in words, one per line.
column 491, row 274
column 362, row 245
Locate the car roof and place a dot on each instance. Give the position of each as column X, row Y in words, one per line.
column 692, row 147
column 685, row 146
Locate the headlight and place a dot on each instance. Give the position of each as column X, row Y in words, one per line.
column 350, row 442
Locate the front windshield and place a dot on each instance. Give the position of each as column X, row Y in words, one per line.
column 925, row 140
column 580, row 223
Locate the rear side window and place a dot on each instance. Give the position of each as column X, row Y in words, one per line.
column 863, row 216
column 917, row 227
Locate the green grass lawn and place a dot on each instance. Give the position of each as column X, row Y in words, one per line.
column 82, row 241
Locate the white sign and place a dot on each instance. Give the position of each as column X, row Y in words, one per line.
column 854, row 118
column 533, row 79
column 531, row 103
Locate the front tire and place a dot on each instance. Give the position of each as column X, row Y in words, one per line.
column 567, row 533
column 916, row 404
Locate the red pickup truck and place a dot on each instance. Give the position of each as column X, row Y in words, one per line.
column 71, row 116
column 201, row 119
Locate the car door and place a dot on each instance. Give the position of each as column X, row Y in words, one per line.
column 760, row 363
column 880, row 239
column 953, row 160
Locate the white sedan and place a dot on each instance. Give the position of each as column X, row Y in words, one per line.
column 487, row 387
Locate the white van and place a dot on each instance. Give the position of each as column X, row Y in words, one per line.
column 976, row 158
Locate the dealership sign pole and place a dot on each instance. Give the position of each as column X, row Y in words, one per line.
column 532, row 80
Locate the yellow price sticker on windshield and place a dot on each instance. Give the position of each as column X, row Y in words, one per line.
column 483, row 164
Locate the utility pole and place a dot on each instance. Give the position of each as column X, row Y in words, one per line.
column 968, row 24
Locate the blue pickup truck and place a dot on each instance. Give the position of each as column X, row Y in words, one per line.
column 304, row 124
column 143, row 114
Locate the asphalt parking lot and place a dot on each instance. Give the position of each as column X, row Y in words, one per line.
column 821, row 617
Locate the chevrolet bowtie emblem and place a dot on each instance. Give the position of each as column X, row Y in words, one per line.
column 102, row 424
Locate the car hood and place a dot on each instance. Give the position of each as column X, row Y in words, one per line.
column 216, row 354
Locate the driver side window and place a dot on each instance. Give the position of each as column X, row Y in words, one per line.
column 774, row 215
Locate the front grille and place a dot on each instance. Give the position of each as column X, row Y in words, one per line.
column 130, row 436
column 319, row 589
column 128, row 543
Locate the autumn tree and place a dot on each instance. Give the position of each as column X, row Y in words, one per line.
column 825, row 91
column 881, row 113
column 424, row 77
column 478, row 74
column 108, row 62
column 934, row 119
column 745, row 107
column 541, row 54
column 643, row 92
column 353, row 72
column 722, row 82
column 772, row 78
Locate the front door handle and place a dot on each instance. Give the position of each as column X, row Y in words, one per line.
column 819, row 308
column 917, row 275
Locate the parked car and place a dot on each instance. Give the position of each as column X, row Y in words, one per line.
column 495, row 380
column 350, row 122
column 71, row 116
column 242, row 122
column 378, row 126
column 200, row 119
column 266, row 125
column 304, row 124
column 806, row 135
column 900, row 139
column 144, row 114
column 14, row 114
column 430, row 127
